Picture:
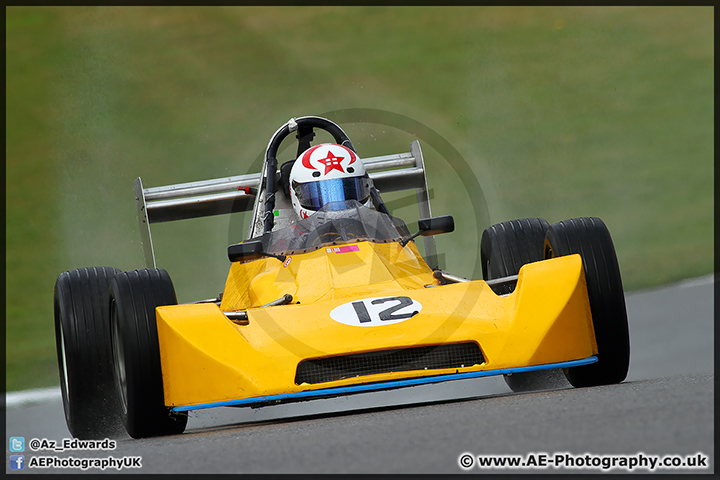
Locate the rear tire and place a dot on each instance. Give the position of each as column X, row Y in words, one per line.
column 82, row 338
column 504, row 248
column 589, row 237
column 134, row 296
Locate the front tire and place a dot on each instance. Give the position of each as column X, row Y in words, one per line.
column 589, row 237
column 134, row 296
column 82, row 338
column 504, row 249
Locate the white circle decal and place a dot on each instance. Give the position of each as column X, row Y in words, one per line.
column 375, row 312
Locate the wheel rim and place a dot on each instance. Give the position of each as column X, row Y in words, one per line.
column 118, row 358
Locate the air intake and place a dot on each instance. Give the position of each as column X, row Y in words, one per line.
column 328, row 369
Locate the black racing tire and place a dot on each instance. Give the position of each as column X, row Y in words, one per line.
column 507, row 246
column 134, row 295
column 83, row 342
column 589, row 237
column 504, row 248
column 552, row 379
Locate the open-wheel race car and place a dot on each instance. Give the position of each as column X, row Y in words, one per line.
column 330, row 296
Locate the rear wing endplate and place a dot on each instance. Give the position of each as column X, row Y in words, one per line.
column 402, row 171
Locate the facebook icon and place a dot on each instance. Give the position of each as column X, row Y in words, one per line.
column 17, row 462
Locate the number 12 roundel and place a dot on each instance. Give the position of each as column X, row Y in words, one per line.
column 376, row 312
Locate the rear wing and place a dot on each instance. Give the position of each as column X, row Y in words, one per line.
column 242, row 193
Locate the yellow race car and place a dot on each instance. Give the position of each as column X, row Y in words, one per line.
column 333, row 304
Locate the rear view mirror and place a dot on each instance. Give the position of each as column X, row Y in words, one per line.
column 251, row 250
column 436, row 225
column 432, row 226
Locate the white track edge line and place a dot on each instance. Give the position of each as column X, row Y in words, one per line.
column 37, row 395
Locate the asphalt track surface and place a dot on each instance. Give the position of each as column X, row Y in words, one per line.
column 665, row 407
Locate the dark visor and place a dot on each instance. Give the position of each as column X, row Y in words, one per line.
column 313, row 195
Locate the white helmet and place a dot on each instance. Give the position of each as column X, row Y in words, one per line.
column 327, row 173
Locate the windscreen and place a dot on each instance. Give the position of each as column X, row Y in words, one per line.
column 336, row 223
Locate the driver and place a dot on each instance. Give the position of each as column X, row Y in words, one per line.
column 327, row 173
